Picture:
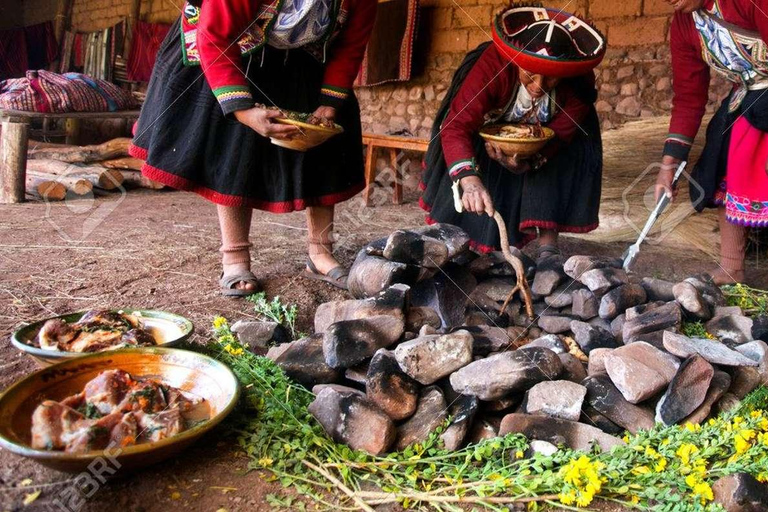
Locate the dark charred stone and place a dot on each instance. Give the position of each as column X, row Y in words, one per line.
column 713, row 351
column 490, row 318
column 574, row 435
column 454, row 238
column 741, row 492
column 608, row 401
column 573, row 369
column 357, row 374
column 757, row 351
column 590, row 416
column 500, row 374
column 303, row 361
column 446, row 293
column 735, row 328
column 462, row 411
column 255, row 334
column 575, row 266
column 686, row 392
column 369, row 275
column 727, row 403
column 484, row 429
column 550, row 341
column 430, row 413
column 556, row 398
column 711, row 293
column 666, row 317
column 392, row 301
column 415, row 249
column 417, row 317
column 692, row 301
column 503, row 405
column 589, row 337
column 635, row 311
column 602, row 324
column 555, row 324
column 351, row 342
column 658, row 289
column 618, row 300
column 390, row 388
column 549, row 275
column 721, row 381
column 584, row 304
column 601, row 280
column 430, row 358
column 760, row 327
column 617, row 328
column 744, row 380
column 487, row 339
column 350, row 419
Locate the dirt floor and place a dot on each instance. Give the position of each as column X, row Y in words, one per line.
column 159, row 250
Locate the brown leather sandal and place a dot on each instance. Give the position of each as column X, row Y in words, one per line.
column 337, row 276
column 229, row 282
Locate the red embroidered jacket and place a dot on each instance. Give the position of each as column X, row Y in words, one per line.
column 489, row 86
column 691, row 73
column 223, row 22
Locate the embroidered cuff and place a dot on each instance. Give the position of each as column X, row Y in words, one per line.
column 462, row 169
column 678, row 146
column 335, row 97
column 233, row 97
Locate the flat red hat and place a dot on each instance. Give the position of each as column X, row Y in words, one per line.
column 587, row 43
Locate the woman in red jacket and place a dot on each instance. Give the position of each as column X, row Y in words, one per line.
column 202, row 128
column 729, row 37
column 539, row 70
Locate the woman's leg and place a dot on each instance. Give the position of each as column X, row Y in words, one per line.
column 547, row 243
column 320, row 224
column 235, row 224
column 733, row 245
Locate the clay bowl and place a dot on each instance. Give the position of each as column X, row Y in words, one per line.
column 522, row 147
column 191, row 372
column 309, row 136
column 168, row 329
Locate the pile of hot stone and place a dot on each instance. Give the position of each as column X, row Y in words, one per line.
column 426, row 340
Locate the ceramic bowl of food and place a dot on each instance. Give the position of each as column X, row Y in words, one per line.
column 75, row 334
column 125, row 409
column 312, row 131
column 514, row 139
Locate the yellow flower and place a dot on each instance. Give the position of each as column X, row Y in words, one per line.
column 641, row 470
column 742, row 440
column 519, row 454
column 235, row 351
column 703, row 491
column 692, row 427
column 567, row 498
column 265, row 462
column 685, row 451
column 660, row 465
column 219, row 322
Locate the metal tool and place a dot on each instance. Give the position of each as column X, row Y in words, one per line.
column 631, row 253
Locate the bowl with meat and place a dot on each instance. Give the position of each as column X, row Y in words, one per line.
column 72, row 335
column 523, row 140
column 129, row 407
column 313, row 130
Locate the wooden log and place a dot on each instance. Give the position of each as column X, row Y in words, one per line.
column 107, row 179
column 13, row 161
column 127, row 163
column 136, row 179
column 48, row 189
column 75, row 184
column 115, row 148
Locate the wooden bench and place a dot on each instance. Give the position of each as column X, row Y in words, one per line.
column 393, row 143
column 14, row 142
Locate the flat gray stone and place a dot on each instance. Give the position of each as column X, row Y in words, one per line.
column 713, row 351
column 556, row 398
column 584, row 304
column 734, row 328
column 608, row 401
column 757, row 351
column 415, row 249
column 590, row 337
column 574, row 435
column 575, row 266
column 686, row 392
column 550, row 341
column 390, row 302
column 430, row 358
column 658, row 289
column 600, row 281
column 555, row 324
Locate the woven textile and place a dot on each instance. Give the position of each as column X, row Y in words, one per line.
column 147, row 38
column 43, row 91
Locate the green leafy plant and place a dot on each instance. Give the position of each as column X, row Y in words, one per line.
column 666, row 469
column 751, row 300
column 696, row 330
column 276, row 311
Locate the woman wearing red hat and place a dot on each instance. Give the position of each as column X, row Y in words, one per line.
column 728, row 37
column 538, row 70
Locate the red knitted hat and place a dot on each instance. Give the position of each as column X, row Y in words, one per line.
column 548, row 41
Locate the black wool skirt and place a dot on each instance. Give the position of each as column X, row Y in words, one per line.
column 189, row 144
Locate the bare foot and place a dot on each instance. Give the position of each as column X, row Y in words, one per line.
column 237, row 268
column 723, row 276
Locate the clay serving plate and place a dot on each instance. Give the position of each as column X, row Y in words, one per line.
column 168, row 329
column 193, row 373
column 522, row 147
column 310, row 135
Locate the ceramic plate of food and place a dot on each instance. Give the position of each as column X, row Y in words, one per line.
column 313, row 131
column 130, row 407
column 523, row 140
column 72, row 335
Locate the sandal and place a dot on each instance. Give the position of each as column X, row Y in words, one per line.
column 228, row 283
column 337, row 276
column 546, row 251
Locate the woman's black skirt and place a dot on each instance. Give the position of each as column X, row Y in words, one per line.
column 563, row 195
column 189, row 144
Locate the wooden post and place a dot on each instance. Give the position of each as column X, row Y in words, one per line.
column 133, row 17
column 370, row 173
column 397, row 195
column 73, row 131
column 13, row 162
column 61, row 24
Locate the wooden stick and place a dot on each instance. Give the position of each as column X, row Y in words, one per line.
column 129, row 163
column 107, row 179
column 13, row 162
column 138, row 180
column 343, row 488
column 50, row 190
column 379, row 498
column 115, row 148
column 517, row 264
column 75, row 184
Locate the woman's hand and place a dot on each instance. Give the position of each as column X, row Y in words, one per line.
column 476, row 198
column 261, row 121
column 325, row 113
column 511, row 163
column 665, row 177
